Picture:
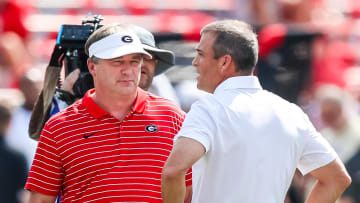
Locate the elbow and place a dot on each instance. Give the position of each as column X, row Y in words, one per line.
column 171, row 173
column 343, row 181
column 347, row 180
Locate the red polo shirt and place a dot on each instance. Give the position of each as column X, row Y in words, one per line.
column 88, row 155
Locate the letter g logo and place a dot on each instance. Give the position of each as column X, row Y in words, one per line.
column 127, row 39
column 151, row 128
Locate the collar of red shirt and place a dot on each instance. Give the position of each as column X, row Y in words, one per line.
column 96, row 111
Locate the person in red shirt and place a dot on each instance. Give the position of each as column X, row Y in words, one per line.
column 12, row 17
column 15, row 58
column 111, row 145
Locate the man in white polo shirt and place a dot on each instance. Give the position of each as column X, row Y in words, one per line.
column 243, row 142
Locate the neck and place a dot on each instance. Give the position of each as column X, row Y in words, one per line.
column 233, row 73
column 117, row 105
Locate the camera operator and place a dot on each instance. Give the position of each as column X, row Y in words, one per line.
column 111, row 144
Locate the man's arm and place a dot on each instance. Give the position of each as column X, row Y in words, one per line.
column 332, row 180
column 185, row 153
column 36, row 197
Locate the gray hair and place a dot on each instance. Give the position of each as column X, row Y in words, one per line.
column 237, row 39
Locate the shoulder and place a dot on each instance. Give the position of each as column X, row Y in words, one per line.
column 161, row 103
column 207, row 107
column 280, row 102
column 71, row 112
column 291, row 113
column 208, row 102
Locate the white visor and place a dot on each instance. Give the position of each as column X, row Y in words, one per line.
column 116, row 45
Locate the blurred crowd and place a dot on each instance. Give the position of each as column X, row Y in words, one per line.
column 309, row 54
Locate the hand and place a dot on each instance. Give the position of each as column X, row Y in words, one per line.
column 66, row 92
column 70, row 81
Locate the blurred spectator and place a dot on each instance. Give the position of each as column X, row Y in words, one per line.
column 13, row 164
column 162, row 86
column 352, row 193
column 352, row 84
column 17, row 135
column 15, row 60
column 342, row 128
column 296, row 11
column 14, row 56
column 12, row 16
column 256, row 12
column 263, row 12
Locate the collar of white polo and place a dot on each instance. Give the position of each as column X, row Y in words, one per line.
column 117, row 45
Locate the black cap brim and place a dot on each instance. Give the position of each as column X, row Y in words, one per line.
column 165, row 58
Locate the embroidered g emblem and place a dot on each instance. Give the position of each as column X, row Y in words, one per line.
column 151, row 128
column 127, row 39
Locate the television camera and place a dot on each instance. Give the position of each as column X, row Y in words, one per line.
column 72, row 39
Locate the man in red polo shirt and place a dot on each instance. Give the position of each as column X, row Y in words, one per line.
column 111, row 145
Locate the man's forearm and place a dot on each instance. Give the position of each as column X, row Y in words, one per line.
column 324, row 193
column 173, row 188
column 332, row 180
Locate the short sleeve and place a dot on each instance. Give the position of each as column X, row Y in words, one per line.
column 198, row 124
column 316, row 153
column 46, row 174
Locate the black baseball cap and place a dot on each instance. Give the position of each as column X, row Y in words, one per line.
column 165, row 58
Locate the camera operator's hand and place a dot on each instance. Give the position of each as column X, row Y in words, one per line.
column 57, row 56
column 66, row 92
column 70, row 81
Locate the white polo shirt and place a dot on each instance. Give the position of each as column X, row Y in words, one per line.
column 254, row 141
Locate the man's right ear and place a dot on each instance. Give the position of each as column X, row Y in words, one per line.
column 91, row 66
column 226, row 61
